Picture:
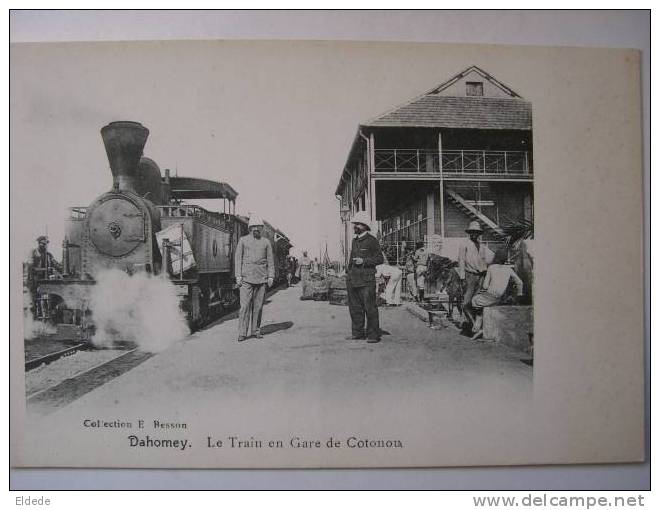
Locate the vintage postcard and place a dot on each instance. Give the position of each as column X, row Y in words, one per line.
column 322, row 254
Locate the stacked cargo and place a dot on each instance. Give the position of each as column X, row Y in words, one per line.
column 337, row 293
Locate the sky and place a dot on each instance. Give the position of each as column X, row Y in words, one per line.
column 275, row 120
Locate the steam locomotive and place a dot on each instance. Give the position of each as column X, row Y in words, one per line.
column 145, row 224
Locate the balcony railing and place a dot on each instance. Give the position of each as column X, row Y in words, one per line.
column 453, row 161
column 194, row 211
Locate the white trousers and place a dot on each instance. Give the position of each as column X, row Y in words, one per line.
column 393, row 290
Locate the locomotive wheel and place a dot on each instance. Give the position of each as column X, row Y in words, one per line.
column 199, row 313
column 194, row 316
column 204, row 314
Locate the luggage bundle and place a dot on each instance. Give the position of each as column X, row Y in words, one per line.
column 337, row 294
column 319, row 288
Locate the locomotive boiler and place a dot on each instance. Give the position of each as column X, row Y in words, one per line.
column 149, row 223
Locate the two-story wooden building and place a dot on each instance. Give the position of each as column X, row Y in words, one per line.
column 424, row 170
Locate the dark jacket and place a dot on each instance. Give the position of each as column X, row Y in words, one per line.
column 368, row 249
column 44, row 264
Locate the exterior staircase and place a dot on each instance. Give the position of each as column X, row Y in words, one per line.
column 474, row 213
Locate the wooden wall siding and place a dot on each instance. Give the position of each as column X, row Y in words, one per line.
column 411, row 224
column 510, row 204
column 510, row 199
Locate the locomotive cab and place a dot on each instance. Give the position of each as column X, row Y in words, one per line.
column 209, row 240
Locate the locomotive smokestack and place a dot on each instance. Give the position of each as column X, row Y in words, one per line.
column 124, row 142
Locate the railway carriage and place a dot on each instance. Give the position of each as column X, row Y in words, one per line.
column 148, row 222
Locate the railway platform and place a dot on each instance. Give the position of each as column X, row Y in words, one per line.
column 301, row 378
column 304, row 350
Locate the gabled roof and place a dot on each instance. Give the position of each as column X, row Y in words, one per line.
column 480, row 72
column 443, row 107
column 459, row 112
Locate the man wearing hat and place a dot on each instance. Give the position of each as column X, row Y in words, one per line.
column 41, row 266
column 361, row 280
column 473, row 260
column 254, row 269
column 43, row 262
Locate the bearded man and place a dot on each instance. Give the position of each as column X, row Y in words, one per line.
column 361, row 281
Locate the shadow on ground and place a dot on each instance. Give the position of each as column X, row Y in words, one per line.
column 233, row 314
column 274, row 328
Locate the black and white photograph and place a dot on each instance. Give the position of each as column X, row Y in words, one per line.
column 320, row 254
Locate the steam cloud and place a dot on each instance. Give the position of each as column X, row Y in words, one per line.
column 141, row 308
column 32, row 328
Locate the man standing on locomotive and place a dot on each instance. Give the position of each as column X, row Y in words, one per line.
column 41, row 266
column 43, row 262
column 254, row 269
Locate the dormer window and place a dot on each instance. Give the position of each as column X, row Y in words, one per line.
column 474, row 88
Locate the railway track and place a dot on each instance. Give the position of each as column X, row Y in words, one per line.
column 64, row 392
column 53, row 356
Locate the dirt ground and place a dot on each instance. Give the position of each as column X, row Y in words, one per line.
column 304, row 350
column 429, row 389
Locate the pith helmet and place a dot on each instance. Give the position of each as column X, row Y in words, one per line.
column 474, row 226
column 363, row 218
column 42, row 238
column 255, row 221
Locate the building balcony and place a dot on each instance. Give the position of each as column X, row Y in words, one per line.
column 455, row 163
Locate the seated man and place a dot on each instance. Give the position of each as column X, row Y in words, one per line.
column 493, row 289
